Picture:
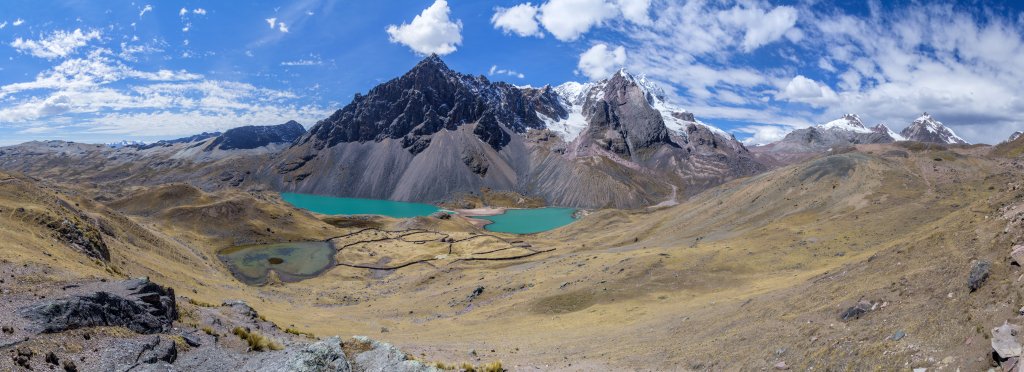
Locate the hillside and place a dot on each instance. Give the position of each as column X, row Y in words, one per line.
column 793, row 247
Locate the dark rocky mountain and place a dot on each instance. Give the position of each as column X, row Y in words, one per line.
column 434, row 133
column 251, row 136
column 927, row 129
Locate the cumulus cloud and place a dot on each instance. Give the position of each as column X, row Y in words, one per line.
column 520, row 19
column 146, row 9
column 636, row 11
column 763, row 134
column 199, row 11
column 802, row 89
column 760, row 26
column 600, row 61
column 432, row 31
column 272, row 22
column 3, row 25
column 182, row 12
column 568, row 19
column 18, row 22
column 59, row 44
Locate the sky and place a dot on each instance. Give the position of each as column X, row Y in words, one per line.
column 104, row 71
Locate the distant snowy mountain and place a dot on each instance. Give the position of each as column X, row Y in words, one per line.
column 845, row 131
column 1014, row 136
column 927, row 129
column 125, row 143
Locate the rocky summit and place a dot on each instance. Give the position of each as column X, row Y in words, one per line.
column 926, row 129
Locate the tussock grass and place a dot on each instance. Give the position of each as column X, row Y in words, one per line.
column 256, row 341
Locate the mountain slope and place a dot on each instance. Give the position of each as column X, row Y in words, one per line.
column 434, row 133
column 251, row 136
column 843, row 132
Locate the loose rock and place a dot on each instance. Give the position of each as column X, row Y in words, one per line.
column 1004, row 340
column 978, row 275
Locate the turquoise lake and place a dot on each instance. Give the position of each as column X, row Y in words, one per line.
column 514, row 221
column 530, row 221
column 348, row 206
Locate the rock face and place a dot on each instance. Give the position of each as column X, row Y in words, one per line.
column 138, row 304
column 433, row 133
column 251, row 137
column 927, row 129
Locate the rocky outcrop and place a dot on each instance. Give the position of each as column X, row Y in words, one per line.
column 382, row 357
column 138, row 304
column 323, row 356
column 927, row 129
column 251, row 137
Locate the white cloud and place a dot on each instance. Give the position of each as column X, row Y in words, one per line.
column 569, row 19
column 18, row 22
column 520, row 19
column 182, row 12
column 272, row 22
column 501, row 71
column 3, row 25
column 802, row 89
column 599, row 61
column 282, row 27
column 636, row 11
column 429, row 32
column 763, row 134
column 761, row 26
column 57, row 45
column 313, row 60
column 146, row 9
column 199, row 11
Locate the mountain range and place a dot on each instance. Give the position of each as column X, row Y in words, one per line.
column 437, row 135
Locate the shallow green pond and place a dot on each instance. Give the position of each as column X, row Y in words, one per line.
column 348, row 206
column 291, row 261
column 529, row 221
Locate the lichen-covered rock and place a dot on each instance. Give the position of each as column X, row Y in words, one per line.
column 383, row 357
column 322, row 356
column 138, row 304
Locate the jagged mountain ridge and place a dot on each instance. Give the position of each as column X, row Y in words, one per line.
column 433, row 133
column 926, row 129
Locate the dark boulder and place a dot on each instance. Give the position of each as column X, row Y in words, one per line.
column 856, row 311
column 158, row 349
column 978, row 275
column 138, row 304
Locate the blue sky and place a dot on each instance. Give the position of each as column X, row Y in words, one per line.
column 99, row 71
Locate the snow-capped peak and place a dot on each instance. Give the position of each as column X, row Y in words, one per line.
column 125, row 143
column 574, row 95
column 882, row 128
column 849, row 122
column 1015, row 136
column 926, row 129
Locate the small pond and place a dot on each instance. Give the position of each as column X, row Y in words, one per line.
column 291, row 261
